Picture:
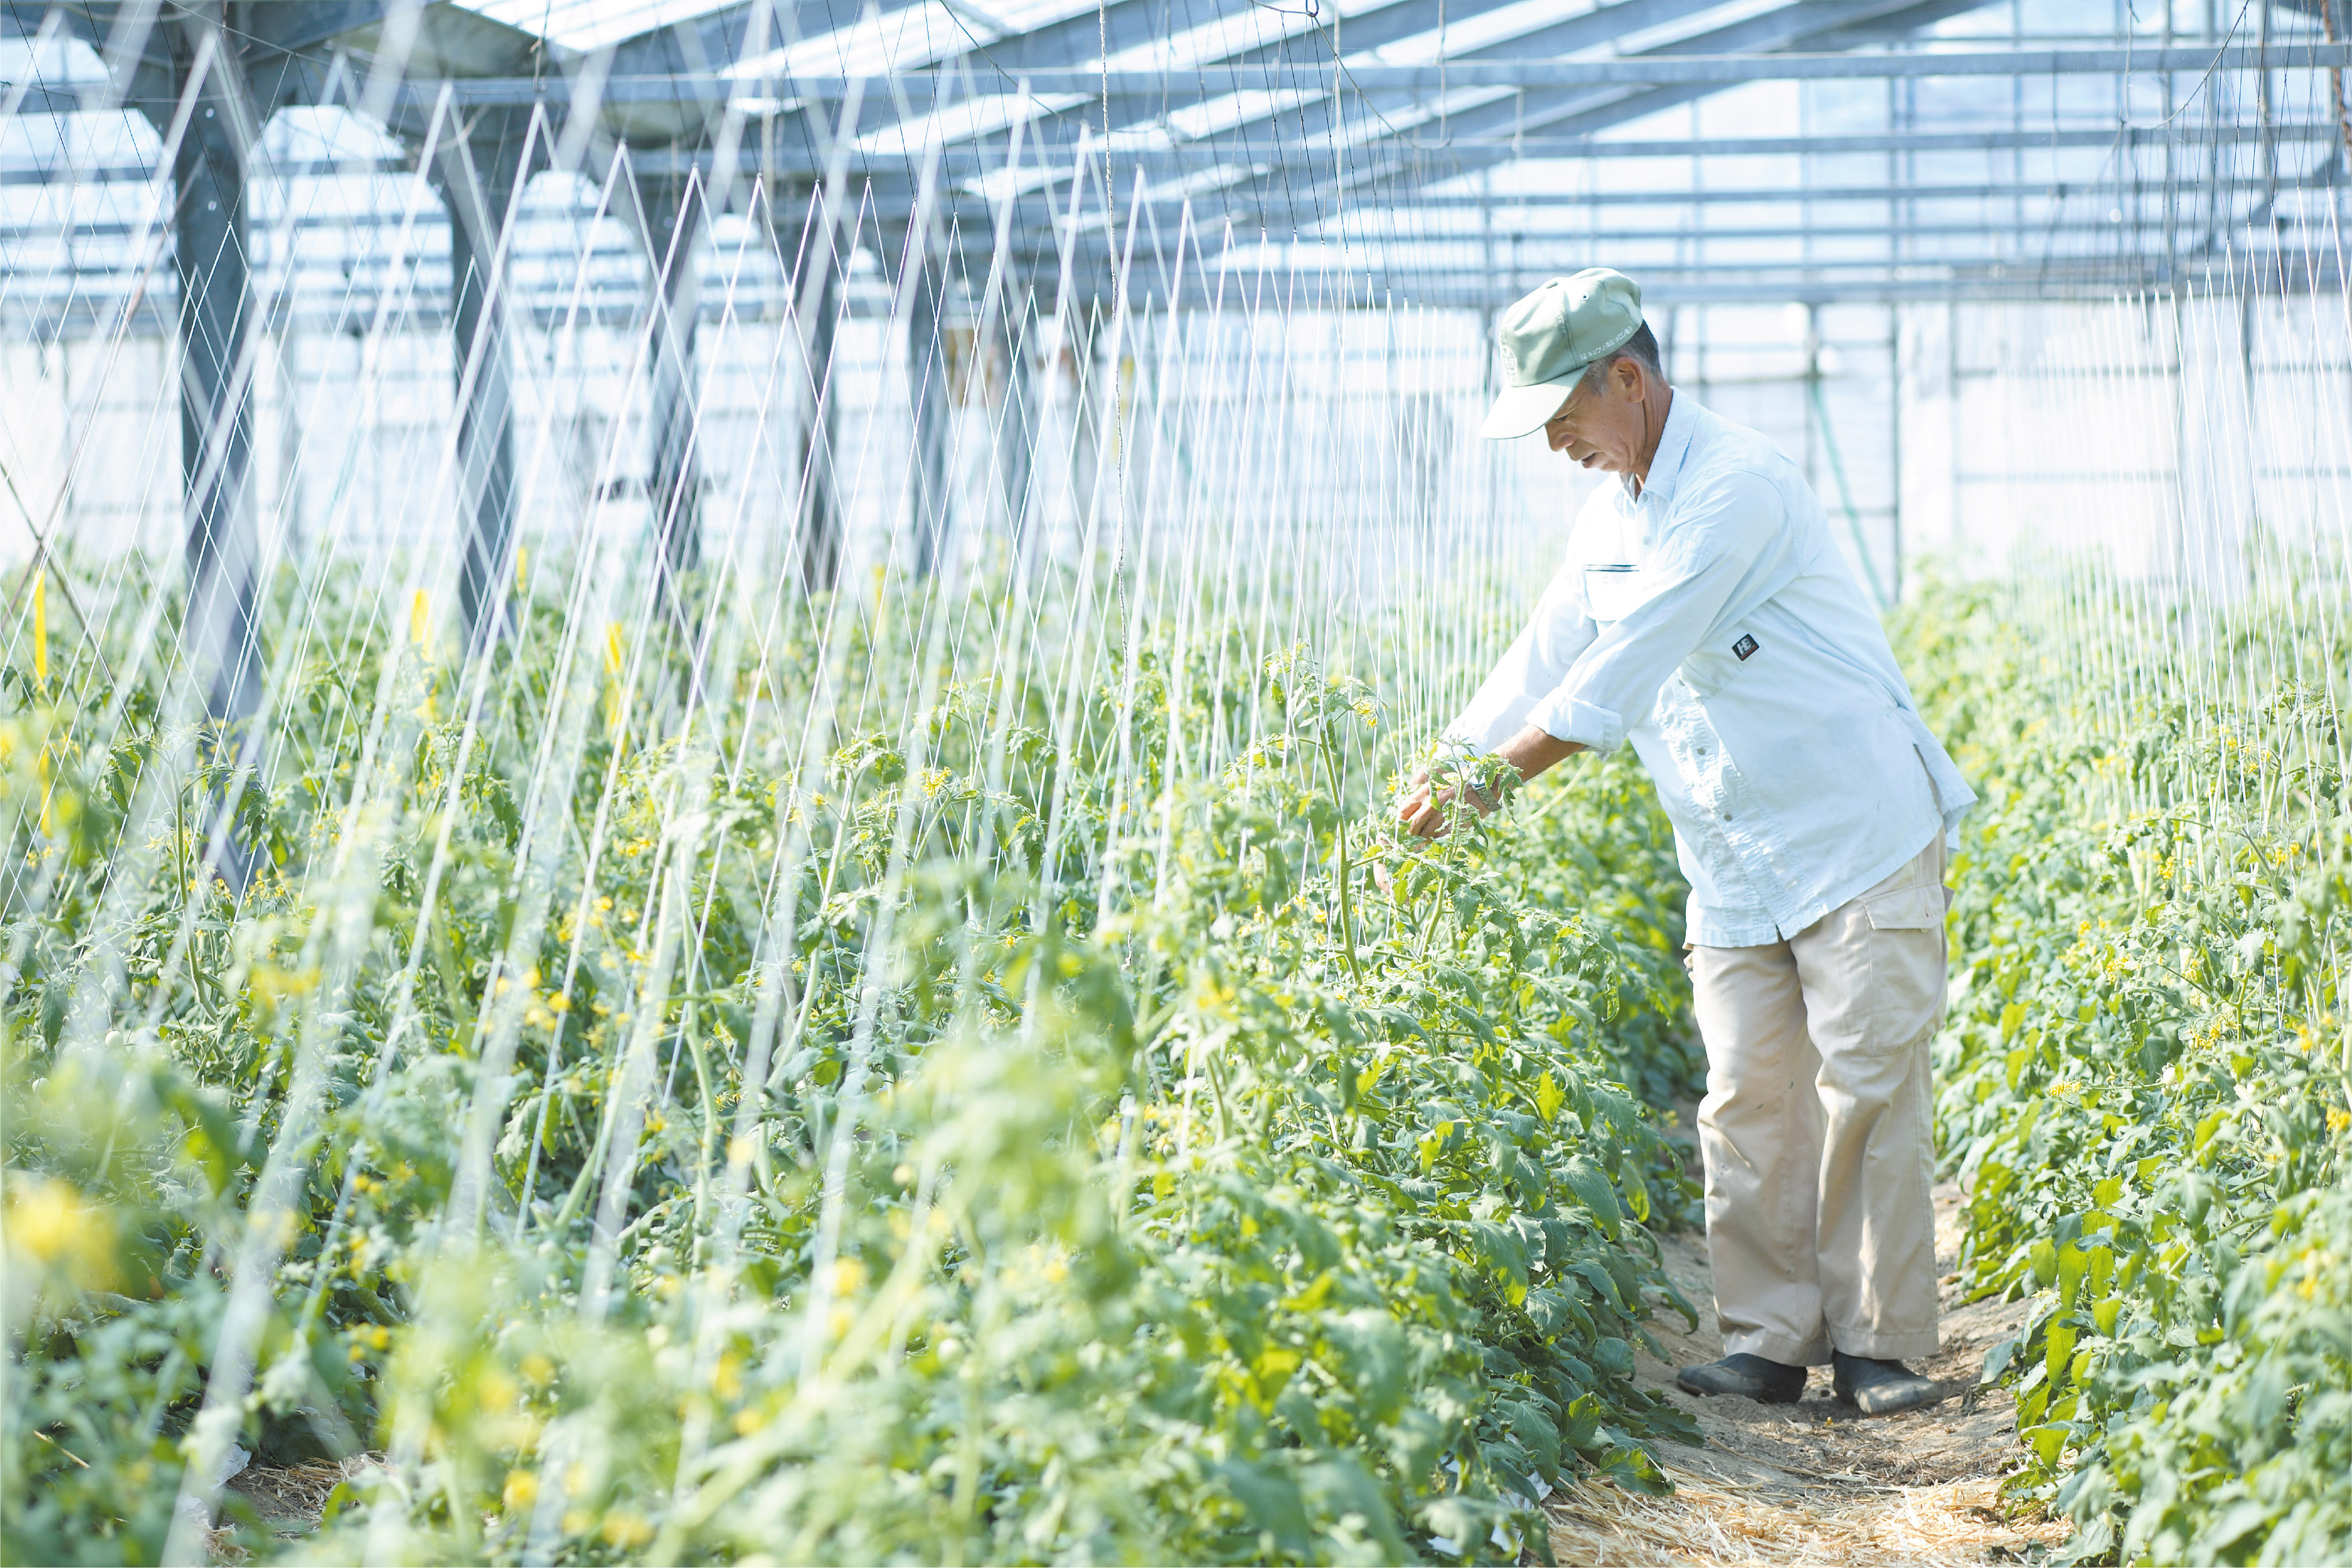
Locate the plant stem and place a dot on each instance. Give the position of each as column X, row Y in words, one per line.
column 1339, row 840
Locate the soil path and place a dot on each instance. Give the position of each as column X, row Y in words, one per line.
column 1815, row 1481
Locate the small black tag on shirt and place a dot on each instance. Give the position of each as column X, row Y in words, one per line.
column 1744, row 646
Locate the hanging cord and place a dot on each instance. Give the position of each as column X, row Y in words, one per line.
column 1110, row 195
column 1445, row 135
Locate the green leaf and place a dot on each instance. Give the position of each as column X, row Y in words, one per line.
column 2047, row 1441
column 1502, row 1252
column 1272, row 1502
column 1634, row 1469
column 1595, row 1191
column 2060, row 1350
column 1548, row 1098
column 2073, row 1263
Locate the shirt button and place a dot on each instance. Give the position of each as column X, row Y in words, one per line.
column 1727, row 816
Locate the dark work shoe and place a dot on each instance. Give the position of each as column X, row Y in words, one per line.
column 1879, row 1387
column 1747, row 1377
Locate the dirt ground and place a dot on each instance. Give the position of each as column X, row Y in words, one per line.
column 287, row 1501
column 1816, row 1481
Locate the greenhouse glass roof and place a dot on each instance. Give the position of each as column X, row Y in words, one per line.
column 1447, row 151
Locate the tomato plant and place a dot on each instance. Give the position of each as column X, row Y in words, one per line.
column 2147, row 1082
column 846, row 1100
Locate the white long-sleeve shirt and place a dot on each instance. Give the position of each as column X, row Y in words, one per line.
column 1714, row 622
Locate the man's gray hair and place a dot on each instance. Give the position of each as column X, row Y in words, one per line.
column 1642, row 348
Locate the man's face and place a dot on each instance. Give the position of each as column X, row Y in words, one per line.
column 1601, row 426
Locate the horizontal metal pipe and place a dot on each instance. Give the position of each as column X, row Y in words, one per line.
column 2191, row 232
column 1362, row 226
column 1753, row 195
column 84, row 315
column 955, row 79
column 1438, row 294
column 1665, row 70
column 952, row 79
column 2119, row 187
column 889, row 172
column 1211, row 150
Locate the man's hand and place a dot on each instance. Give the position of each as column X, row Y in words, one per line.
column 1423, row 809
column 1531, row 751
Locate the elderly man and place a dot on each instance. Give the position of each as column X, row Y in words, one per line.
column 1705, row 615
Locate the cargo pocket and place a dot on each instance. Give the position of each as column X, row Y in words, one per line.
column 1906, row 965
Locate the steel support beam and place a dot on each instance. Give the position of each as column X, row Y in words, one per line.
column 1211, row 81
column 1356, row 232
column 1296, row 167
column 1501, row 210
column 927, row 391
column 820, row 524
column 1817, row 195
column 1251, row 142
column 893, row 189
column 671, row 211
column 1388, row 163
column 218, row 334
column 1010, row 359
column 1205, row 83
column 1454, row 295
column 477, row 176
column 1305, row 59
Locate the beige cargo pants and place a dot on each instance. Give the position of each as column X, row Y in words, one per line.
column 1815, row 1129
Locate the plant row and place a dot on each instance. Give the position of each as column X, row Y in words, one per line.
column 2147, row 1080
column 840, row 1092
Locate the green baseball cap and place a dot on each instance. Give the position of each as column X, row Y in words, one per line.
column 1549, row 337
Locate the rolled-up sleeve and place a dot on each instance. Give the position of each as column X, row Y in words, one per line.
column 1719, row 532
column 1537, row 659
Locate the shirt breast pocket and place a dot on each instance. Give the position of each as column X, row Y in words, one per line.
column 1710, row 668
column 1612, row 593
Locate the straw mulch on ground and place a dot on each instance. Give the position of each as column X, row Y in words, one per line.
column 289, row 1499
column 300, row 1491
column 1814, row 1481
column 1712, row 1520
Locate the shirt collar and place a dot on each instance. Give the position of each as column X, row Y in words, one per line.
column 1674, row 447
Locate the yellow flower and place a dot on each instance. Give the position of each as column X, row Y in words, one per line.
column 57, row 1226
column 521, row 1490
column 624, row 1529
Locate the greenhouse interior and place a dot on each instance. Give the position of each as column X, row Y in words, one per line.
column 767, row 797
